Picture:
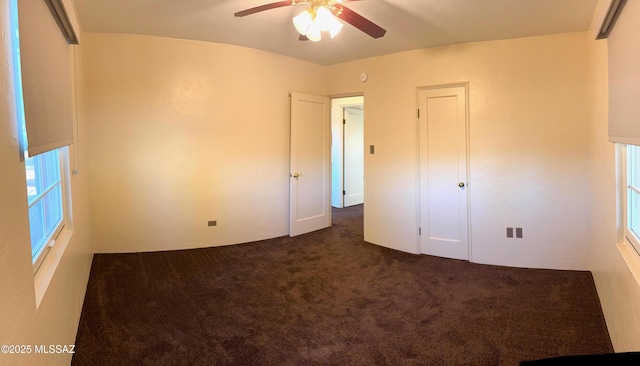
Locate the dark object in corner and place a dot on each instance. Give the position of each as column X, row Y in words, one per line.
column 629, row 358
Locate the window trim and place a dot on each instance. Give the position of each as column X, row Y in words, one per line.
column 626, row 249
column 46, row 270
column 629, row 236
column 51, row 239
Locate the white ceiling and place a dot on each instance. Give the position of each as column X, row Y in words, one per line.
column 410, row 24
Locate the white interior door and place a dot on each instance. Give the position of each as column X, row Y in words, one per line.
column 310, row 177
column 443, row 172
column 353, row 156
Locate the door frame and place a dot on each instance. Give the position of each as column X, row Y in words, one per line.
column 348, row 151
column 469, row 187
column 336, row 117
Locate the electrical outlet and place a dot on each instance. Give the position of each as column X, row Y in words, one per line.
column 509, row 232
column 519, row 232
column 212, row 223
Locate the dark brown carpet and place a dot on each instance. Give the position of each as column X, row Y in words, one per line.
column 329, row 298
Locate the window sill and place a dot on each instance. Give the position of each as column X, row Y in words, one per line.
column 45, row 273
column 631, row 257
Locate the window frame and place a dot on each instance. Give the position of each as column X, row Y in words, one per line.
column 51, row 238
column 629, row 236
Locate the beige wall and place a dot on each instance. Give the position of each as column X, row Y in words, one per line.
column 55, row 321
column 183, row 132
column 528, row 145
column 618, row 290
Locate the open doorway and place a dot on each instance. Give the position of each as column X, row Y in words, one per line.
column 347, row 151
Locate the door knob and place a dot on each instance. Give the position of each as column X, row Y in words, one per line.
column 295, row 175
column 461, row 184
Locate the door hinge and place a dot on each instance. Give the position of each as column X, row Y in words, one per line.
column 419, row 231
column 344, row 193
column 418, row 113
column 344, row 121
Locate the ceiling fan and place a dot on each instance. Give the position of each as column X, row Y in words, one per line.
column 321, row 16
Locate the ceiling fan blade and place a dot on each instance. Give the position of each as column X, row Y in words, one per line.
column 260, row 8
column 359, row 21
column 303, row 38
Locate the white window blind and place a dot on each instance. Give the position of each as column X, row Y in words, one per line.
column 46, row 79
column 624, row 76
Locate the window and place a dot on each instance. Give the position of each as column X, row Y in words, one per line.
column 632, row 227
column 44, row 192
column 46, row 174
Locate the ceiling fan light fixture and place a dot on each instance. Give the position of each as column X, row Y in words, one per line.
column 327, row 21
column 331, row 15
column 334, row 27
column 323, row 17
column 310, row 23
column 303, row 21
column 313, row 33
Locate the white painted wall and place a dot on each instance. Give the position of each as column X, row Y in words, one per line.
column 528, row 145
column 619, row 292
column 183, row 132
column 55, row 321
